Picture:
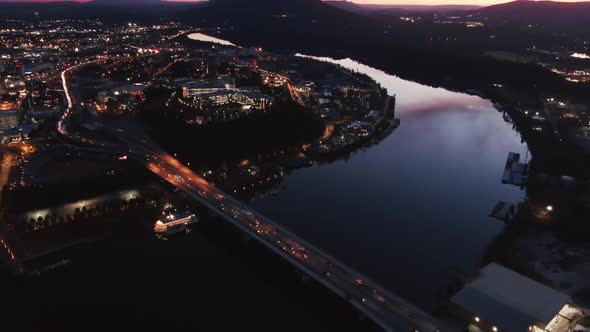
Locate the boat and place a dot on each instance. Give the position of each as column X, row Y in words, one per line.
column 174, row 223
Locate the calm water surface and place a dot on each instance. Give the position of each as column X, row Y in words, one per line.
column 412, row 210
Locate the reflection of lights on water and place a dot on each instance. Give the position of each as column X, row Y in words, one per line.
column 209, row 39
column 580, row 56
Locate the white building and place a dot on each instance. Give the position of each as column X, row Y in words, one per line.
column 499, row 299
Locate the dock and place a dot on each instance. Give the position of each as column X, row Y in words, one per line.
column 514, row 171
column 503, row 211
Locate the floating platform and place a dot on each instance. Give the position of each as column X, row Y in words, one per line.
column 503, row 211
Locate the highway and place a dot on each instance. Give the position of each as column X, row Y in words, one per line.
column 7, row 237
column 387, row 310
column 288, row 84
column 71, row 105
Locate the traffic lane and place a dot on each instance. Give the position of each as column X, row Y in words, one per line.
column 270, row 231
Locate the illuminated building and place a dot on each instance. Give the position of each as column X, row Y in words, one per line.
column 174, row 223
column 212, row 97
column 499, row 299
column 9, row 119
column 219, row 100
column 8, row 102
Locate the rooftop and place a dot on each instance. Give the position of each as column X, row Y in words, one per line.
column 509, row 300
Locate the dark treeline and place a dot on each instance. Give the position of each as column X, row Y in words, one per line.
column 32, row 197
column 266, row 132
column 455, row 68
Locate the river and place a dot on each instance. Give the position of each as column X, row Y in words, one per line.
column 412, row 211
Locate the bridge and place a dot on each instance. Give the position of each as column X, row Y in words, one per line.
column 387, row 310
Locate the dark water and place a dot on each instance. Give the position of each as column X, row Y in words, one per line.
column 413, row 209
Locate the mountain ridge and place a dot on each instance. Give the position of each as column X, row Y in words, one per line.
column 552, row 16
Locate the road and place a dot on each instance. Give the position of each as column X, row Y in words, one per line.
column 5, row 170
column 387, row 310
column 288, row 84
column 72, row 107
column 7, row 237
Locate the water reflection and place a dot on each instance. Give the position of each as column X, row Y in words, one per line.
column 209, row 39
column 411, row 96
column 413, row 210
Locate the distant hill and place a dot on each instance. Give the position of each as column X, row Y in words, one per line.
column 349, row 6
column 424, row 8
column 286, row 25
column 567, row 17
column 242, row 9
column 285, row 15
column 396, row 9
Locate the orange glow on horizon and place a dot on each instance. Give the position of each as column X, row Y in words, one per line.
column 442, row 2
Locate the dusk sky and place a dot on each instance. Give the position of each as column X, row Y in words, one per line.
column 406, row 2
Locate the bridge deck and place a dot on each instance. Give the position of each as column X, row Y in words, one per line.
column 389, row 311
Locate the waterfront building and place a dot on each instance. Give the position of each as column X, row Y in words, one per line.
column 174, row 223
column 499, row 299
